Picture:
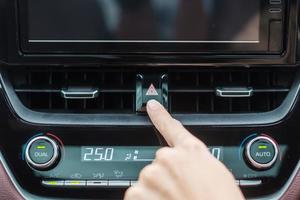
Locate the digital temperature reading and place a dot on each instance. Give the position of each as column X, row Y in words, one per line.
column 118, row 154
column 98, row 154
column 128, row 153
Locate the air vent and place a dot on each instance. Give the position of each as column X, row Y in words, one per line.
column 196, row 91
column 190, row 91
column 42, row 90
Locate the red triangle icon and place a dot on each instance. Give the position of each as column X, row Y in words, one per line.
column 152, row 91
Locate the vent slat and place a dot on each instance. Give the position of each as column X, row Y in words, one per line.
column 32, row 90
column 265, row 90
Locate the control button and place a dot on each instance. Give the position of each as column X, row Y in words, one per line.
column 42, row 153
column 97, row 183
column 132, row 183
column 117, row 183
column 275, row 10
column 75, row 183
column 249, row 183
column 53, row 183
column 275, row 2
column 261, row 152
column 151, row 87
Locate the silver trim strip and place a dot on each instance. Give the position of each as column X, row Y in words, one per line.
column 275, row 10
column 234, row 92
column 118, row 183
column 275, row 2
column 250, row 183
column 98, row 183
column 71, row 94
column 141, row 41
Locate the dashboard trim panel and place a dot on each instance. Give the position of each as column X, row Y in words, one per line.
column 107, row 120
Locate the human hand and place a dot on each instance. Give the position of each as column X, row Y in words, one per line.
column 183, row 171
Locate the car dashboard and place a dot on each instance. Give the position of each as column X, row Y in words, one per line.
column 75, row 77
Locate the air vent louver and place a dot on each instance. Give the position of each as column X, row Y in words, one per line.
column 197, row 90
column 41, row 90
column 190, row 91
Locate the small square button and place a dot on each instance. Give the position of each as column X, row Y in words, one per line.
column 151, row 86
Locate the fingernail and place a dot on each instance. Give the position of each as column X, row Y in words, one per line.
column 153, row 105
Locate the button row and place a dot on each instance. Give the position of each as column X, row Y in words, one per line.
column 89, row 183
column 122, row 183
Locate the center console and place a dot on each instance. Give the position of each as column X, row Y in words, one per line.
column 75, row 78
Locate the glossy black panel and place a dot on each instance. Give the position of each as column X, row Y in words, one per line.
column 252, row 26
column 148, row 20
column 2, row 30
column 92, row 52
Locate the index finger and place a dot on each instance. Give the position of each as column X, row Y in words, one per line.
column 171, row 129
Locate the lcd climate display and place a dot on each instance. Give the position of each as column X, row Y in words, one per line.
column 127, row 153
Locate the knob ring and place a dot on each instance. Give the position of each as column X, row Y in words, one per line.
column 257, row 164
column 43, row 165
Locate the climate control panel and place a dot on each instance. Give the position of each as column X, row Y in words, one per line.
column 59, row 164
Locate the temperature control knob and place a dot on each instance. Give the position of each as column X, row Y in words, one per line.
column 261, row 152
column 42, row 153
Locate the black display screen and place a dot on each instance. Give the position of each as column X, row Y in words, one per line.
column 200, row 21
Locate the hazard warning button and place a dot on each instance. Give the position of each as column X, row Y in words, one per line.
column 151, row 86
column 152, row 91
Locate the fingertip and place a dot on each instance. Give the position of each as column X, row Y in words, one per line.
column 153, row 105
column 168, row 127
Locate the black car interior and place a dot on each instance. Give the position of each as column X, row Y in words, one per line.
column 75, row 77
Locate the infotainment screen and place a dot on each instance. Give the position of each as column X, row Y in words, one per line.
column 150, row 26
column 144, row 20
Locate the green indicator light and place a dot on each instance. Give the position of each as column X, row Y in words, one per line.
column 41, row 147
column 75, row 182
column 263, row 147
column 53, row 183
